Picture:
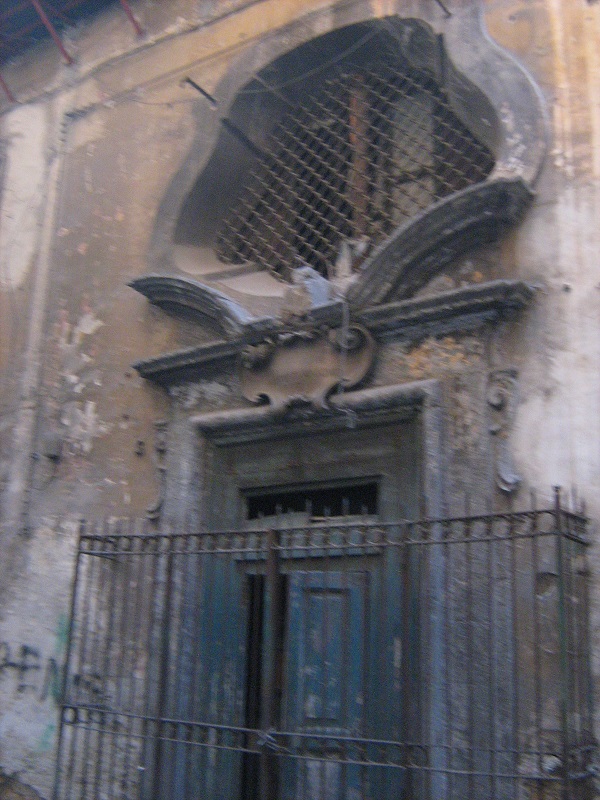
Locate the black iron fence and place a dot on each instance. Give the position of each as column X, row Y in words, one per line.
column 342, row 659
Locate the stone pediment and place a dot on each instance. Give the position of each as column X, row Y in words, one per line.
column 341, row 173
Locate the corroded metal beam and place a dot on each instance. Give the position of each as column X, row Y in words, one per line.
column 51, row 30
column 131, row 17
column 7, row 91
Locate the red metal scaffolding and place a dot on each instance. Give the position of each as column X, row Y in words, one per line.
column 16, row 24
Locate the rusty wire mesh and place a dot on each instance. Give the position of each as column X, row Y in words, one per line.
column 364, row 151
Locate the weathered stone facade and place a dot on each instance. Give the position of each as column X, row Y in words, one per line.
column 103, row 163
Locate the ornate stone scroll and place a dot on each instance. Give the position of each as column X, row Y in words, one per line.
column 502, row 396
column 153, row 512
column 305, row 366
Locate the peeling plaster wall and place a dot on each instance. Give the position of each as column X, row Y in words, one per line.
column 106, row 136
column 557, row 434
column 557, row 246
column 24, row 133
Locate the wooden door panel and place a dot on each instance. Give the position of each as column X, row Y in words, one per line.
column 324, row 692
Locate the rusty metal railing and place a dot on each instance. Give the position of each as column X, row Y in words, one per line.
column 343, row 658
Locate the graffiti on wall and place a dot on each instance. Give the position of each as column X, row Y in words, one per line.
column 25, row 671
column 30, row 672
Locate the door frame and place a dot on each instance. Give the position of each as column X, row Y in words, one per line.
column 420, row 401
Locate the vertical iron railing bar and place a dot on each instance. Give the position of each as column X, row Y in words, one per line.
column 304, row 764
column 564, row 694
column 223, row 571
column 448, row 670
column 368, row 651
column 122, row 691
column 197, row 580
column 96, row 564
column 129, row 623
column 537, row 665
column 515, row 640
column 386, row 565
column 112, row 606
column 207, row 656
column 413, row 585
column 122, row 696
column 181, row 689
column 572, row 630
column 196, row 675
column 163, row 668
column 71, row 725
column 343, row 537
column 586, row 647
column 231, row 710
column 212, row 656
column 268, row 764
column 471, row 634
column 492, row 590
column 75, row 589
column 137, row 633
column 148, row 708
column 182, row 693
column 326, row 632
column 169, row 676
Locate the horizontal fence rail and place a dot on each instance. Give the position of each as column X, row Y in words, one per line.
column 344, row 659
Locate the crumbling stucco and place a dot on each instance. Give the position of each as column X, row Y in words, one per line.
column 24, row 134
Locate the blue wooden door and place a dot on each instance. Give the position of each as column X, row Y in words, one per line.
column 204, row 759
column 324, row 687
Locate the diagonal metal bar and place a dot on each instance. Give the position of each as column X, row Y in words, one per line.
column 131, row 17
column 7, row 91
column 51, row 30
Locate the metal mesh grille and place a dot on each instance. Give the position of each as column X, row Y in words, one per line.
column 365, row 152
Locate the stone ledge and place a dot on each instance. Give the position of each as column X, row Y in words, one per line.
column 454, row 311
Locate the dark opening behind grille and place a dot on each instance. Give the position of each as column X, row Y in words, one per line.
column 361, row 153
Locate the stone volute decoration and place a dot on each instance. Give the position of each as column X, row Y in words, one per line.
column 326, row 190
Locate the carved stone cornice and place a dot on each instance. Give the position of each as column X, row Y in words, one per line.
column 423, row 246
column 184, row 294
column 447, row 312
column 366, row 407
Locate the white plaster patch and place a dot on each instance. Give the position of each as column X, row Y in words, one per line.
column 87, row 130
column 23, row 197
column 208, row 391
column 83, row 424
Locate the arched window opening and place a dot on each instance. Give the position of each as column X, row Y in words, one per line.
column 361, row 147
